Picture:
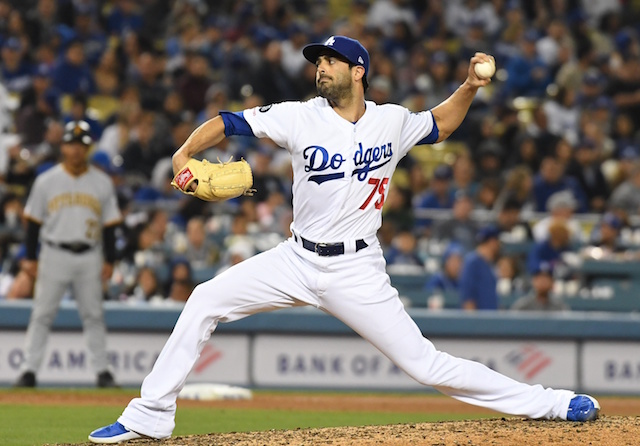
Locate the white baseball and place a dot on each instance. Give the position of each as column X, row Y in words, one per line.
column 485, row 70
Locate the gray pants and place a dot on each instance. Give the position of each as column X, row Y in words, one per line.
column 57, row 270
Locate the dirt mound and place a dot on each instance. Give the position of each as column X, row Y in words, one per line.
column 608, row 430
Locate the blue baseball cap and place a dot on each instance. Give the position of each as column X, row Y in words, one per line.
column 12, row 43
column 611, row 219
column 487, row 233
column 629, row 152
column 350, row 49
column 542, row 267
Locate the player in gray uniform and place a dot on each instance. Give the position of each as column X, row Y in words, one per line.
column 72, row 209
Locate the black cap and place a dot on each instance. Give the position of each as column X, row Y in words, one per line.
column 77, row 131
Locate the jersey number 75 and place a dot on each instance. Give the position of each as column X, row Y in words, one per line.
column 379, row 186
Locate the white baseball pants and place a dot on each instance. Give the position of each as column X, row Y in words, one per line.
column 356, row 289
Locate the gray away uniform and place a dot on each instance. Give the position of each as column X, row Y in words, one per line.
column 72, row 210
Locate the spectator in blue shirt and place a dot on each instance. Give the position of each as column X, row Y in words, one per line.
column 446, row 281
column 124, row 17
column 551, row 249
column 78, row 112
column 527, row 73
column 71, row 73
column 550, row 179
column 440, row 194
column 93, row 39
column 15, row 71
column 478, row 279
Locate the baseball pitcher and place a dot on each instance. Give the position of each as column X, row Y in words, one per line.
column 344, row 150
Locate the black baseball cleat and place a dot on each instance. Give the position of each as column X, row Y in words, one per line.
column 105, row 380
column 27, row 379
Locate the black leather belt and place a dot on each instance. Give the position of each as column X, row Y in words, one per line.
column 74, row 247
column 328, row 249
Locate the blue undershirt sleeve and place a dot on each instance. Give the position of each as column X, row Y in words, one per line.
column 431, row 137
column 235, row 124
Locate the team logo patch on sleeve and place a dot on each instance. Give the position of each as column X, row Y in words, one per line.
column 183, row 179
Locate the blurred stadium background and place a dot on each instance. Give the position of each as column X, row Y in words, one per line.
column 549, row 153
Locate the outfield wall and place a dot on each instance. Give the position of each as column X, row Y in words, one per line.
column 305, row 348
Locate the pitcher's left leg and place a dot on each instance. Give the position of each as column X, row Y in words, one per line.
column 363, row 298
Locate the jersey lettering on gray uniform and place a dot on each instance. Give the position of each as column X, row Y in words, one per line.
column 70, row 208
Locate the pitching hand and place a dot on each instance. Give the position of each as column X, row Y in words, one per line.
column 472, row 77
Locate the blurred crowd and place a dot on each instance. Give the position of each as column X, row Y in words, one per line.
column 549, row 153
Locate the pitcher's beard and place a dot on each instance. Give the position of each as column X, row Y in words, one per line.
column 333, row 93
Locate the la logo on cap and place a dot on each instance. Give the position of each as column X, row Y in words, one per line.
column 330, row 41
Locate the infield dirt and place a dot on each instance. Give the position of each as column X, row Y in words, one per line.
column 619, row 424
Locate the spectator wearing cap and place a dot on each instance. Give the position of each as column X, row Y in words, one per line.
column 460, row 227
column 563, row 115
column 460, row 16
column 592, row 88
column 551, row 179
column 541, row 297
column 623, row 85
column 71, row 72
column 489, row 160
column 265, row 181
column 436, row 82
column 49, row 149
column 626, row 197
column 464, row 175
column 125, row 16
column 552, row 248
column 555, row 46
column 78, row 112
column 606, row 235
column 446, row 282
column 93, row 39
column 571, row 74
column 561, row 207
column 440, row 195
column 41, row 82
column 527, row 73
column 293, row 61
column 586, row 169
column 518, row 186
column 16, row 70
column 147, row 79
column 512, row 227
column 623, row 133
column 402, row 256
column 478, row 280
column 140, row 154
column 627, row 158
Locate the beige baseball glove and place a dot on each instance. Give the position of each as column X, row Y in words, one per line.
column 214, row 181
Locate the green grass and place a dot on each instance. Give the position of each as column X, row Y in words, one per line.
column 24, row 424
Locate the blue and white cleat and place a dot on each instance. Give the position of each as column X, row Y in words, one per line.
column 583, row 408
column 114, row 433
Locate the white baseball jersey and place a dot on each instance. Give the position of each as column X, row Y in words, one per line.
column 341, row 174
column 73, row 208
column 341, row 170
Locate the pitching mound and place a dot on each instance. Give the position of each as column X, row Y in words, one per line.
column 608, row 430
